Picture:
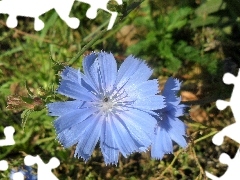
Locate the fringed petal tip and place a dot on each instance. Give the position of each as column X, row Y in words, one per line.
column 67, row 70
column 177, row 84
column 172, row 84
column 157, row 158
column 97, row 53
column 85, row 159
column 160, row 155
column 111, row 163
column 138, row 59
column 143, row 149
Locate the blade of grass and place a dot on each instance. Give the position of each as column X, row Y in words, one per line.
column 11, row 51
column 88, row 45
column 47, row 26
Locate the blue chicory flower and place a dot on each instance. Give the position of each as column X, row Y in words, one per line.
column 110, row 105
column 169, row 127
column 27, row 172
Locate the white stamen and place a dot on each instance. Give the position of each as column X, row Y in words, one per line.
column 107, row 104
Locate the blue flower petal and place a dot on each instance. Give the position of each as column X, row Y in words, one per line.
column 162, row 144
column 142, row 73
column 71, row 86
column 96, row 76
column 108, row 70
column 171, row 87
column 102, row 71
column 181, row 110
column 108, row 144
column 87, row 64
column 177, row 131
column 70, row 136
column 143, row 89
column 70, row 73
column 73, row 118
column 61, row 108
column 129, row 71
column 140, row 126
column 170, row 127
column 143, row 97
column 91, row 134
column 150, row 103
column 125, row 142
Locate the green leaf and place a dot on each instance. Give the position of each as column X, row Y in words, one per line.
column 204, row 21
column 30, row 93
column 209, row 7
column 25, row 114
column 28, row 100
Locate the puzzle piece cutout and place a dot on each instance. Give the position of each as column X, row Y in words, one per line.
column 95, row 5
column 233, row 167
column 44, row 171
column 3, row 165
column 36, row 8
column 8, row 133
column 18, row 176
column 234, row 100
column 231, row 131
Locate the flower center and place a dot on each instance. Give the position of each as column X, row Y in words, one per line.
column 107, row 104
column 106, row 99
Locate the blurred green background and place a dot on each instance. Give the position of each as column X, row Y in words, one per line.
column 196, row 41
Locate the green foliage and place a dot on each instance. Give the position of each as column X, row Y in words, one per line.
column 158, row 39
column 205, row 14
column 168, row 39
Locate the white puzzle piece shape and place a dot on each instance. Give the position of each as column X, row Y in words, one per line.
column 36, row 8
column 3, row 165
column 235, row 97
column 232, row 131
column 8, row 141
column 102, row 4
column 44, row 171
column 18, row 176
column 8, row 132
column 232, row 172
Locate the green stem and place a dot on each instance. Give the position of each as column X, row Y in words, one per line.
column 40, row 141
column 171, row 164
column 98, row 36
column 88, row 45
column 197, row 162
column 205, row 137
column 179, row 151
